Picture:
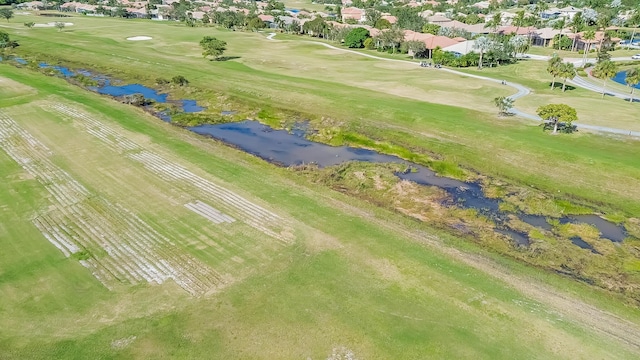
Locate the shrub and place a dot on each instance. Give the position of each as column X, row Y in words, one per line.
column 180, row 80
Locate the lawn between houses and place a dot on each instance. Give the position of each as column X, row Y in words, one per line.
column 354, row 278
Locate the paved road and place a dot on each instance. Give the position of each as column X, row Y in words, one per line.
column 521, row 89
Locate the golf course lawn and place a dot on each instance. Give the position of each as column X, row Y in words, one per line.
column 296, row 269
column 352, row 278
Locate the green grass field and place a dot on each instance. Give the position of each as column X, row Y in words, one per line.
column 325, row 272
column 351, row 276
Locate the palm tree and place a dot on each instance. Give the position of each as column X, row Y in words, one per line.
column 518, row 20
column 632, row 79
column 483, row 44
column 494, row 23
column 553, row 68
column 605, row 70
column 559, row 25
column 519, row 43
column 541, row 7
column 577, row 23
column 603, row 22
column 566, row 71
column 589, row 35
column 634, row 22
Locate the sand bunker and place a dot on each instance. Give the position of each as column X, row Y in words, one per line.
column 139, row 38
column 51, row 24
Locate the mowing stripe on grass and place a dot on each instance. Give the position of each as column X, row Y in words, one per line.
column 250, row 213
column 109, row 240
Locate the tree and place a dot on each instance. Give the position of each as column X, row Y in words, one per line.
column 391, row 38
column 504, row 104
column 559, row 25
column 518, row 20
column 6, row 13
column 6, row 42
column 541, row 7
column 589, row 36
column 372, row 16
column 566, row 71
column 553, row 68
column 634, row 22
column 605, row 70
column 382, row 24
column 59, row 25
column 415, row 47
column 212, row 47
column 632, row 78
column 356, row 37
column 482, row 44
column 494, row 23
column 577, row 23
column 316, row 27
column 431, row 29
column 557, row 114
column 519, row 43
column 256, row 23
column 180, row 80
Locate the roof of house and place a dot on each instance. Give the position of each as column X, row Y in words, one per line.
column 547, row 33
column 518, row 30
column 352, row 11
column 390, row 18
column 438, row 19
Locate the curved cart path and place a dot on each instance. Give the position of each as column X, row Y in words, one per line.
column 521, row 89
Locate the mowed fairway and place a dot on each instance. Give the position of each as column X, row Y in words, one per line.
column 105, row 257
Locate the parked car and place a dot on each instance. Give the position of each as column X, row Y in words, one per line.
column 636, row 57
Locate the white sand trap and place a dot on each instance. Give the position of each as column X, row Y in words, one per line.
column 139, row 38
column 51, row 24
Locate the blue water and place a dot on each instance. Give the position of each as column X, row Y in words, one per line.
column 130, row 89
column 106, row 88
column 292, row 148
column 619, row 78
column 191, row 106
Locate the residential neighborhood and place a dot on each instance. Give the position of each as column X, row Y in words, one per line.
column 450, row 25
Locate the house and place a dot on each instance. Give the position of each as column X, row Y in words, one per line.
column 390, row 18
column 582, row 44
column 544, row 37
column 553, row 13
column 438, row 19
column 508, row 30
column 482, row 5
column 463, row 47
column 352, row 13
column 569, row 12
column 32, row 5
column 430, row 41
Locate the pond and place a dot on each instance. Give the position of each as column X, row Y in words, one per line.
column 292, row 148
column 106, row 87
column 620, row 78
